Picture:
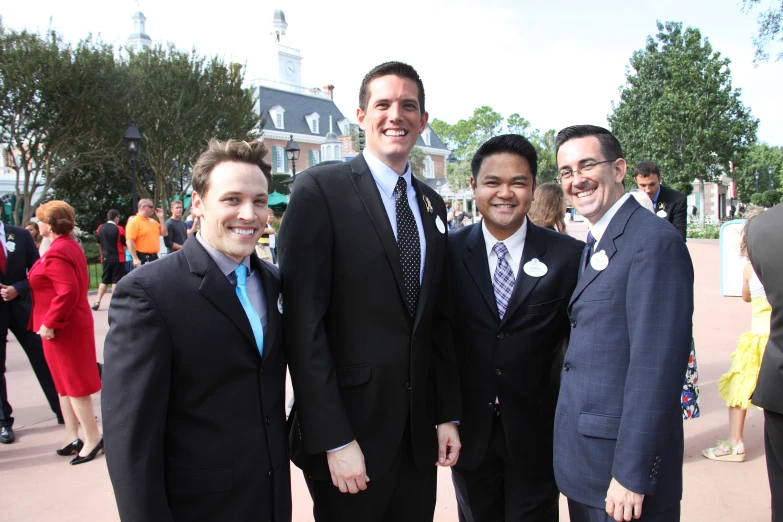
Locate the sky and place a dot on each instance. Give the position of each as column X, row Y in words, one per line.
column 554, row 63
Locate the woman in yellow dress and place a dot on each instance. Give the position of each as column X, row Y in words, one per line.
column 737, row 385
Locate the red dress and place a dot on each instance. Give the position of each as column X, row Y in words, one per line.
column 58, row 285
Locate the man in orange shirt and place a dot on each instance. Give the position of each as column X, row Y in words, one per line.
column 143, row 233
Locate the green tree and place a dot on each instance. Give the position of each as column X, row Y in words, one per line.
column 678, row 108
column 770, row 198
column 544, row 142
column 516, row 124
column 458, row 175
column 770, row 28
column 759, row 157
column 416, row 159
column 465, row 136
column 59, row 106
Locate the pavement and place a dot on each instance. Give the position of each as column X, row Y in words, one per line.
column 36, row 485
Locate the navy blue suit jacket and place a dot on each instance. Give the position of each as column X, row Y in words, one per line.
column 618, row 413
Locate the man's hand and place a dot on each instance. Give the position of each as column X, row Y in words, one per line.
column 623, row 504
column 46, row 333
column 136, row 262
column 8, row 293
column 347, row 468
column 159, row 214
column 448, row 444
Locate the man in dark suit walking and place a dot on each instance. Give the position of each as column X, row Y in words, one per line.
column 17, row 255
column 194, row 378
column 510, row 325
column 765, row 249
column 618, row 429
column 667, row 202
column 363, row 248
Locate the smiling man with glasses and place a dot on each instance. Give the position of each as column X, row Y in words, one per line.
column 618, row 443
column 143, row 233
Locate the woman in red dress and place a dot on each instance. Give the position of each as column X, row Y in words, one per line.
column 62, row 317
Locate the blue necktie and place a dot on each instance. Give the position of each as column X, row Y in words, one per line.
column 588, row 250
column 250, row 311
column 504, row 279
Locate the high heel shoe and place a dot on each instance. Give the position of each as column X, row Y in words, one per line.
column 89, row 456
column 74, row 447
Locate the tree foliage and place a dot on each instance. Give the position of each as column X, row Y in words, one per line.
column 458, row 175
column 770, row 28
column 416, row 159
column 678, row 108
column 765, row 159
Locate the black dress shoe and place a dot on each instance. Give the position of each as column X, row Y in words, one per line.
column 89, row 456
column 6, row 435
column 74, row 447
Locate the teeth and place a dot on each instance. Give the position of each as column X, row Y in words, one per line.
column 503, row 206
column 585, row 194
column 243, row 232
column 396, row 133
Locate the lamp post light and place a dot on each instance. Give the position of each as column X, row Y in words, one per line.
column 757, row 181
column 132, row 141
column 292, row 153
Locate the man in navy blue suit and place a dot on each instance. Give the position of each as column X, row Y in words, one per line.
column 618, row 444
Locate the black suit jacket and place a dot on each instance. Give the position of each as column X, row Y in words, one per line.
column 20, row 256
column 765, row 249
column 361, row 367
column 516, row 359
column 674, row 204
column 193, row 417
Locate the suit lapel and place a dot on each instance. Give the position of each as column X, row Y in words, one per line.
column 534, row 249
column 271, row 294
column 477, row 266
column 371, row 198
column 216, row 287
column 615, row 230
column 434, row 249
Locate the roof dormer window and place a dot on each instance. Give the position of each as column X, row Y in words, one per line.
column 426, row 135
column 312, row 122
column 278, row 116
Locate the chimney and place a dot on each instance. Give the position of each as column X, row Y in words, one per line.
column 330, row 89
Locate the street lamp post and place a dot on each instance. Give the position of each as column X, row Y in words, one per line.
column 757, row 181
column 132, row 140
column 292, row 153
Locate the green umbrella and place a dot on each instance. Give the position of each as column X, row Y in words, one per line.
column 277, row 201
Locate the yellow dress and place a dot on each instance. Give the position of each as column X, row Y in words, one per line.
column 737, row 385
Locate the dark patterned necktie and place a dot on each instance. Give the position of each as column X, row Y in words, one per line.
column 409, row 245
column 588, row 250
column 504, row 279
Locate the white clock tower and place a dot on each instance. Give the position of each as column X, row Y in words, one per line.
column 289, row 59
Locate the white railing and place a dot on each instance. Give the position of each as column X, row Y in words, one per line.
column 282, row 86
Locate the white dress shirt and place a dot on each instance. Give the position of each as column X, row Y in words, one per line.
column 599, row 228
column 515, row 245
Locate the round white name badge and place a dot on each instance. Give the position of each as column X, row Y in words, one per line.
column 280, row 304
column 599, row 260
column 661, row 213
column 535, row 268
column 439, row 224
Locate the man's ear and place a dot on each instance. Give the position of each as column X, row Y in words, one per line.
column 197, row 204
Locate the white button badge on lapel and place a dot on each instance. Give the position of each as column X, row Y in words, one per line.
column 535, row 268
column 599, row 260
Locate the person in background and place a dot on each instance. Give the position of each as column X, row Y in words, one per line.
column 111, row 238
column 272, row 236
column 62, row 317
column 737, row 385
column 667, row 202
column 32, row 227
column 457, row 216
column 143, row 233
column 549, row 207
column 177, row 229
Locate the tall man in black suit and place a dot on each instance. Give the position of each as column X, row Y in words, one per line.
column 765, row 249
column 17, row 255
column 667, row 202
column 618, row 443
column 510, row 326
column 194, row 379
column 370, row 354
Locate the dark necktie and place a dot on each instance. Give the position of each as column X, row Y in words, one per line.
column 250, row 311
column 409, row 245
column 503, row 281
column 588, row 250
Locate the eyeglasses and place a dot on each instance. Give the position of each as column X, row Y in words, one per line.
column 147, row 206
column 566, row 174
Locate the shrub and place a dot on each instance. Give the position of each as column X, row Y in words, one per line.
column 770, row 198
column 757, row 199
column 708, row 232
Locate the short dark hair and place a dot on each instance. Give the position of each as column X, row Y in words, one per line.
column 112, row 214
column 402, row 70
column 610, row 146
column 646, row 168
column 508, row 143
column 232, row 150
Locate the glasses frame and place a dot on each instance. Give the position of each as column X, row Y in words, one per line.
column 581, row 170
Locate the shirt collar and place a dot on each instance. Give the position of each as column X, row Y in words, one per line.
column 384, row 176
column 655, row 199
column 599, row 228
column 224, row 263
column 514, row 243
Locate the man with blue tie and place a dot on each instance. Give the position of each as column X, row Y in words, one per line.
column 618, row 445
column 667, row 202
column 194, row 376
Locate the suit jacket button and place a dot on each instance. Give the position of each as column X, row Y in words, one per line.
column 266, row 419
column 658, row 459
column 491, row 405
column 501, row 335
column 573, row 324
column 566, row 367
column 270, row 474
column 408, row 385
column 497, row 371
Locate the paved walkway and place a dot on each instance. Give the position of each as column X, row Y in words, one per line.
column 38, row 486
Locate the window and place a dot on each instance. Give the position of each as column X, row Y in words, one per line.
column 279, row 120
column 315, row 157
column 280, row 163
column 429, row 167
column 312, row 122
column 278, row 116
column 314, row 126
column 425, row 136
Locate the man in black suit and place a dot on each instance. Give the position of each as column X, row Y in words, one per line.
column 510, row 326
column 194, row 378
column 765, row 249
column 667, row 202
column 17, row 255
column 370, row 353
